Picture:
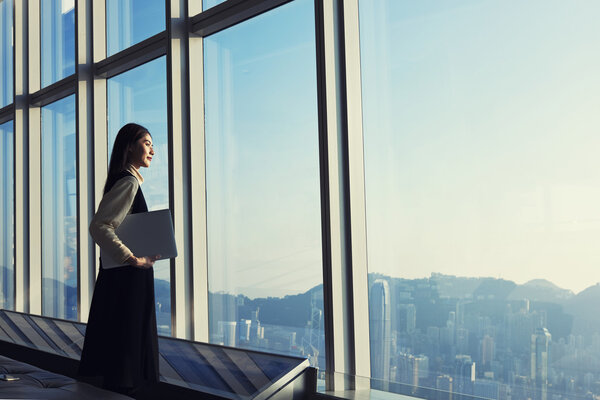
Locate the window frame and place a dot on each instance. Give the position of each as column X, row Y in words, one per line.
column 340, row 143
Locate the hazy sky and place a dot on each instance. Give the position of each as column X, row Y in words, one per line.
column 482, row 136
column 262, row 155
column 481, row 129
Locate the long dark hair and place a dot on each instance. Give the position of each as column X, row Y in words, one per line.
column 127, row 136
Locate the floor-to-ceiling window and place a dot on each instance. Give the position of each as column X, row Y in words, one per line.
column 6, row 159
column 482, row 188
column 57, row 40
column 7, row 206
column 140, row 95
column 6, row 52
column 262, row 184
column 59, row 209
column 130, row 21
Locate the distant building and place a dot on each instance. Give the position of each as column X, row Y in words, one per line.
column 433, row 333
column 520, row 327
column 443, row 384
column 464, row 374
column 380, row 329
column 462, row 341
column 521, row 388
column 486, row 389
column 228, row 330
column 410, row 369
column 244, row 326
column 255, row 328
column 407, row 318
column 487, row 350
column 540, row 342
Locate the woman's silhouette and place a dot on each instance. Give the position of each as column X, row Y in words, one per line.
column 121, row 342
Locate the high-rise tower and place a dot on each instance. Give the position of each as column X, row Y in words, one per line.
column 380, row 329
column 540, row 342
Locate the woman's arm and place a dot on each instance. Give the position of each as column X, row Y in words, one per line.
column 143, row 262
column 113, row 208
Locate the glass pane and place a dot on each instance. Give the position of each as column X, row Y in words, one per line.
column 6, row 52
column 59, row 210
column 58, row 40
column 7, row 225
column 206, row 4
column 482, row 186
column 262, row 177
column 140, row 96
column 130, row 21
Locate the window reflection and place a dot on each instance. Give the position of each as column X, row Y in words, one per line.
column 130, row 21
column 262, row 177
column 7, row 241
column 482, row 190
column 59, row 210
column 140, row 96
column 6, row 52
column 57, row 40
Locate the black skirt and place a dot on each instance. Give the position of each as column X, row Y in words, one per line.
column 121, row 341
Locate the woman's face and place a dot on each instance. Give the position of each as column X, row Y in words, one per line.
column 140, row 154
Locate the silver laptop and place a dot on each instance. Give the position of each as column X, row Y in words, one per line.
column 145, row 234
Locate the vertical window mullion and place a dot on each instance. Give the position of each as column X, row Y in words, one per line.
column 178, row 127
column 356, row 189
column 347, row 294
column 34, row 284
column 21, row 121
column 85, row 153
column 198, row 184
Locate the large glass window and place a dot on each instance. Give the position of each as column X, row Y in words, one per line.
column 7, row 207
column 262, row 177
column 57, row 40
column 6, row 52
column 482, row 187
column 59, row 210
column 206, row 4
column 140, row 96
column 130, row 21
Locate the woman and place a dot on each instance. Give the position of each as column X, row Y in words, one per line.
column 121, row 342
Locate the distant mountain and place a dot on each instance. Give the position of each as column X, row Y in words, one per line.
column 499, row 289
column 541, row 290
column 450, row 286
column 291, row 310
column 584, row 308
column 494, row 289
column 541, row 283
column 455, row 287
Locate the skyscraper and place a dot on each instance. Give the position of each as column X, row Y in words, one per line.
column 540, row 341
column 244, row 325
column 407, row 318
column 487, row 350
column 412, row 368
column 464, row 374
column 380, row 329
column 229, row 332
column 255, row 331
column 444, row 385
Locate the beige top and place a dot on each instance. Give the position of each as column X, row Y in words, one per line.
column 113, row 208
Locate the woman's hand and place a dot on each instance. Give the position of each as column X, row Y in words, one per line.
column 143, row 262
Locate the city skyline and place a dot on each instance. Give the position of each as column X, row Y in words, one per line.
column 484, row 338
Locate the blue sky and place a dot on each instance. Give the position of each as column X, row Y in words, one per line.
column 262, row 155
